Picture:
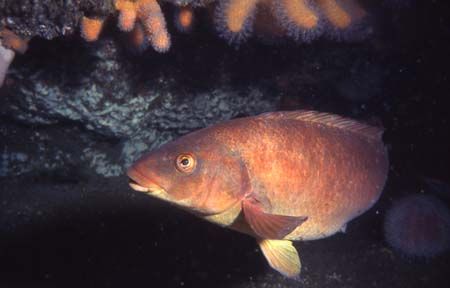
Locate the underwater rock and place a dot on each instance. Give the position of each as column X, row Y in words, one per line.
column 95, row 97
column 48, row 18
column 103, row 98
column 97, row 93
column 51, row 149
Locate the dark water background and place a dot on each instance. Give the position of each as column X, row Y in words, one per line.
column 69, row 227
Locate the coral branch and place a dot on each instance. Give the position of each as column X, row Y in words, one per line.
column 237, row 12
column 152, row 18
column 184, row 19
column 138, row 39
column 91, row 28
column 149, row 14
column 335, row 13
column 127, row 14
column 234, row 19
column 298, row 18
column 301, row 19
column 300, row 14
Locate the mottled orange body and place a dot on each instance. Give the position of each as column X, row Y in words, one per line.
column 278, row 176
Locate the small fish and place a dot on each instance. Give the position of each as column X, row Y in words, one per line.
column 279, row 177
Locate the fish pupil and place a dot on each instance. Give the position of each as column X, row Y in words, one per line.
column 185, row 162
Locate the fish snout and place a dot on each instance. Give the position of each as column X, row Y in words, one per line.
column 139, row 182
column 135, row 186
column 136, row 180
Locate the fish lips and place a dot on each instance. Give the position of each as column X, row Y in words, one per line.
column 135, row 186
column 139, row 182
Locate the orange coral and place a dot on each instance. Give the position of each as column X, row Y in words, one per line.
column 184, row 19
column 138, row 38
column 234, row 19
column 91, row 28
column 335, row 14
column 11, row 41
column 149, row 14
column 300, row 13
column 143, row 18
column 301, row 19
column 152, row 18
column 128, row 14
column 237, row 12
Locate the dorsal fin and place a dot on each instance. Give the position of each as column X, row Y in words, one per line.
column 329, row 120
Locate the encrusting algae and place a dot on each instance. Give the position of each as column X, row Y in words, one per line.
column 279, row 177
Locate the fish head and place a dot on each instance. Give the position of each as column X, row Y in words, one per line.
column 194, row 172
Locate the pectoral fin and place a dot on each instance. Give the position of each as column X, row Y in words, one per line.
column 282, row 256
column 269, row 226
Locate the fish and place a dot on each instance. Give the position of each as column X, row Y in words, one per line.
column 279, row 177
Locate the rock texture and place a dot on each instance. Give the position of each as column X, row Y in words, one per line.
column 97, row 91
column 48, row 18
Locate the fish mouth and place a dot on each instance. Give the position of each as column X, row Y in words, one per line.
column 135, row 186
column 140, row 183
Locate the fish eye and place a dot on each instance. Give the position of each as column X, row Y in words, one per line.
column 185, row 163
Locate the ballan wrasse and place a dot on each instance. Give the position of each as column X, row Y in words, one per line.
column 279, row 177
